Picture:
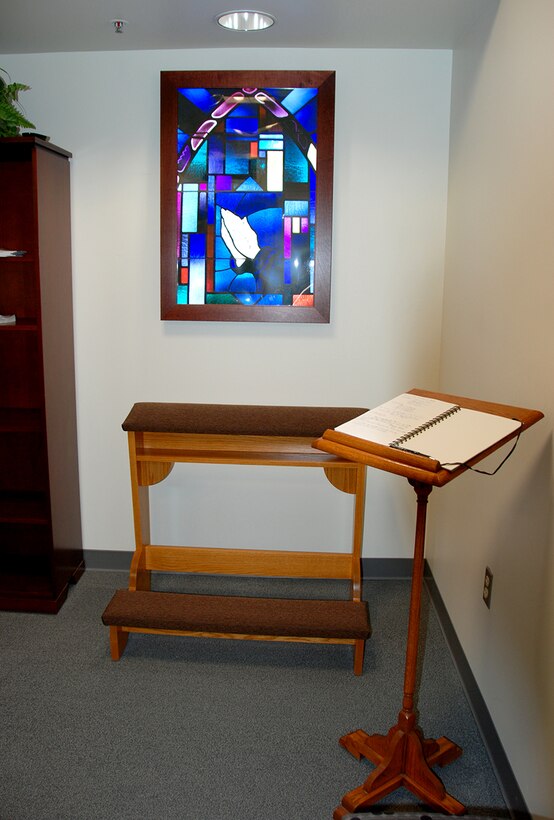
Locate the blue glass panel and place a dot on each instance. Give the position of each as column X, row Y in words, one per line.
column 244, row 204
column 243, row 284
column 248, row 298
column 307, row 117
column 199, row 97
column 296, row 164
column 313, row 180
column 296, row 207
column 216, row 155
column 184, row 246
column 211, row 208
column 189, row 216
column 268, row 224
column 286, row 272
column 238, row 157
column 197, row 168
column 223, row 278
column 246, row 126
column 197, row 246
column 249, row 185
column 271, row 299
column 220, row 248
column 297, row 98
column 182, row 294
column 197, row 282
column 181, row 139
column 271, row 144
column 300, row 248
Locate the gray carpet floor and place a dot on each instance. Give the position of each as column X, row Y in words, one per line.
column 200, row 729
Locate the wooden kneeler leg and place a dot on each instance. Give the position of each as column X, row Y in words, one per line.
column 118, row 641
column 359, row 650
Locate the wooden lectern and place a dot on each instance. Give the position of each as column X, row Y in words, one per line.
column 404, row 757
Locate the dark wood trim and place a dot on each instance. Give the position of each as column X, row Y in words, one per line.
column 171, row 81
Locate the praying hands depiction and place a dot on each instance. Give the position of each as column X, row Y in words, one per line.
column 239, row 236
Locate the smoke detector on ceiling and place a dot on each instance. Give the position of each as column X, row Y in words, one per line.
column 119, row 25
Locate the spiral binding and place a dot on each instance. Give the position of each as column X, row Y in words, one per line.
column 398, row 442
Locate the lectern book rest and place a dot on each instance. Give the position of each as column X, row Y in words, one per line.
column 429, row 437
column 436, row 429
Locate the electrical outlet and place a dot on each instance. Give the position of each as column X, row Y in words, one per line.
column 487, row 587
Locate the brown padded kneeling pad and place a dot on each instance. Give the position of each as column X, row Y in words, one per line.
column 236, row 419
column 239, row 615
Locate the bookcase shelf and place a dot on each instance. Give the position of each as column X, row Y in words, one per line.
column 20, row 420
column 35, row 589
column 22, row 324
column 24, row 508
column 19, row 263
column 18, row 290
column 40, row 526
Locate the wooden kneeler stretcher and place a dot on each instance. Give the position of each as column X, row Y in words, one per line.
column 161, row 434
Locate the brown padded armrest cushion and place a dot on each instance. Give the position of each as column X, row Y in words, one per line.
column 236, row 419
column 238, row 615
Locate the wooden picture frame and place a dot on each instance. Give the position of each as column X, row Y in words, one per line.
column 246, row 195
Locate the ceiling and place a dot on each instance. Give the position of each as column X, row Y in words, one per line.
column 38, row 26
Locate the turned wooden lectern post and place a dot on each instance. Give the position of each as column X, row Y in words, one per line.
column 404, row 757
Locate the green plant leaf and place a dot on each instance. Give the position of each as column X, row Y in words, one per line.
column 11, row 90
column 11, row 117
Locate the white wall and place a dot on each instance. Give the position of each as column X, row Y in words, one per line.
column 498, row 344
column 391, row 162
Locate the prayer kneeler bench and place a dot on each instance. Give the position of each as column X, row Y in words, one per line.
column 162, row 434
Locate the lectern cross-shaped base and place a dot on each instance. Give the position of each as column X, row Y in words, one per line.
column 403, row 758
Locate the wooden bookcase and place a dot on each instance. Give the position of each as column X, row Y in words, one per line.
column 40, row 524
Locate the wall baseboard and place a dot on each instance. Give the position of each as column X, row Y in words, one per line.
column 375, row 568
column 107, row 559
column 401, row 568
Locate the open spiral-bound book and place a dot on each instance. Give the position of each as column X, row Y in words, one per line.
column 448, row 433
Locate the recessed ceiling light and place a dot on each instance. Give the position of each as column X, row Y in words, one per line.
column 245, row 20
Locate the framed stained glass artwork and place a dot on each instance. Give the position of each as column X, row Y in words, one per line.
column 246, row 195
